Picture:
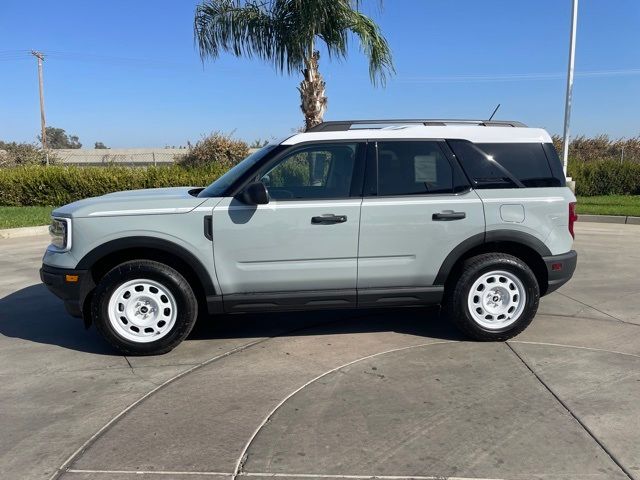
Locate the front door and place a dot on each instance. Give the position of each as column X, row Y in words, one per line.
column 302, row 246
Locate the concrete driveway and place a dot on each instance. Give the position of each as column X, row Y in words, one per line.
column 336, row 395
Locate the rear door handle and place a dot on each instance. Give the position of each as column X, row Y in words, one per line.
column 328, row 218
column 448, row 215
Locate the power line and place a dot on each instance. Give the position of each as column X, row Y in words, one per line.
column 517, row 76
column 12, row 55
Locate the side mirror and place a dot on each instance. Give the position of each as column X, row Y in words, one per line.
column 255, row 194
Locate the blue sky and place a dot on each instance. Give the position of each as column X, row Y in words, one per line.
column 127, row 72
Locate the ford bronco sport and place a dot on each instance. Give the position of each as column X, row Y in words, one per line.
column 473, row 215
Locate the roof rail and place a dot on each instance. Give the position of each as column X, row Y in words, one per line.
column 343, row 125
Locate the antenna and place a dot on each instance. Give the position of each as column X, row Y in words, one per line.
column 494, row 112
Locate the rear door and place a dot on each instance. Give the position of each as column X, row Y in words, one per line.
column 305, row 240
column 417, row 207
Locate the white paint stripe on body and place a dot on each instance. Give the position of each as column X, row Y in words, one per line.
column 142, row 211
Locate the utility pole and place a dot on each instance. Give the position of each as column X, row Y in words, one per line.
column 567, row 106
column 43, row 120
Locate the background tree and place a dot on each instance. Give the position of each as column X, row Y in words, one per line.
column 286, row 32
column 58, row 138
column 100, row 146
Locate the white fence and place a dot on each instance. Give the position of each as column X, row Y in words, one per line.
column 120, row 156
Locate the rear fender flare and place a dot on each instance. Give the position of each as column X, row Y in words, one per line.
column 512, row 236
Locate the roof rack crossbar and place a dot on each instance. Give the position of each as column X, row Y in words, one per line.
column 344, row 125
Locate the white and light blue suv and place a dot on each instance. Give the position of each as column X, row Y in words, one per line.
column 473, row 215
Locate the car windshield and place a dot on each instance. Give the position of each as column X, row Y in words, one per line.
column 220, row 186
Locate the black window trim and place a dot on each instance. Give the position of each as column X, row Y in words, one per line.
column 372, row 177
column 357, row 181
column 557, row 174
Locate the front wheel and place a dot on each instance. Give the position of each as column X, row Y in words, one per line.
column 144, row 307
column 495, row 298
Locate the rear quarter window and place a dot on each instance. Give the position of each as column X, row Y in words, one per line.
column 499, row 165
column 525, row 161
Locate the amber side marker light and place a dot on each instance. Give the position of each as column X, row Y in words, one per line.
column 71, row 278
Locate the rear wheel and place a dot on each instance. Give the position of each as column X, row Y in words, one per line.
column 495, row 298
column 143, row 307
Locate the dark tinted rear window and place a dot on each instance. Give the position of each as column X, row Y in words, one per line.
column 528, row 163
column 480, row 170
column 525, row 161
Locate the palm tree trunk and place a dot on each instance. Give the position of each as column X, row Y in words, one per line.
column 312, row 89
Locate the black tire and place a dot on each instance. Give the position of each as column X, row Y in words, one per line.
column 169, row 278
column 458, row 293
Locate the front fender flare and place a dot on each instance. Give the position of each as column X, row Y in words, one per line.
column 119, row 244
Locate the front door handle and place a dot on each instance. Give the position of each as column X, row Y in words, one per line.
column 328, row 218
column 448, row 215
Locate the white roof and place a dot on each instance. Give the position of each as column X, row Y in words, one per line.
column 473, row 133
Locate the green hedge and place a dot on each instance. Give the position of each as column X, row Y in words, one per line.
column 606, row 177
column 58, row 185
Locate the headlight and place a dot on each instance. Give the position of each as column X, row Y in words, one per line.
column 60, row 231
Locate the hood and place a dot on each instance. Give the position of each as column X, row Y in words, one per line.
column 152, row 201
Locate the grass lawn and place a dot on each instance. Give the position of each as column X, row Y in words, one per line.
column 11, row 217
column 610, row 205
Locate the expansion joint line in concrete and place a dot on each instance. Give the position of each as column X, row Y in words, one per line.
column 75, row 455
column 66, row 466
column 323, row 476
column 597, row 309
column 242, row 459
column 589, row 432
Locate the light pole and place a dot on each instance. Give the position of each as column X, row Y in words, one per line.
column 567, row 105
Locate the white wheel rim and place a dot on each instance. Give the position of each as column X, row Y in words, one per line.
column 496, row 300
column 142, row 310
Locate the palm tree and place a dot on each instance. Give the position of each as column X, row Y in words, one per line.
column 285, row 33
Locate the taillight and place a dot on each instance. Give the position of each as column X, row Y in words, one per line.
column 573, row 216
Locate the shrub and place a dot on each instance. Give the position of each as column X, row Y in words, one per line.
column 14, row 154
column 58, row 185
column 216, row 149
column 606, row 177
column 601, row 147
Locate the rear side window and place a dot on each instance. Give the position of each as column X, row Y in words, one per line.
column 413, row 168
column 525, row 161
column 481, row 170
column 507, row 165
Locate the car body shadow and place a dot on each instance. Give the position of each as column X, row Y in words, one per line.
column 35, row 315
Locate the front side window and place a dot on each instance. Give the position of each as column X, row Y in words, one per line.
column 221, row 186
column 413, row 168
column 313, row 172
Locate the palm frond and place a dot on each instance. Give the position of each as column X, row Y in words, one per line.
column 374, row 46
column 244, row 30
column 284, row 32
